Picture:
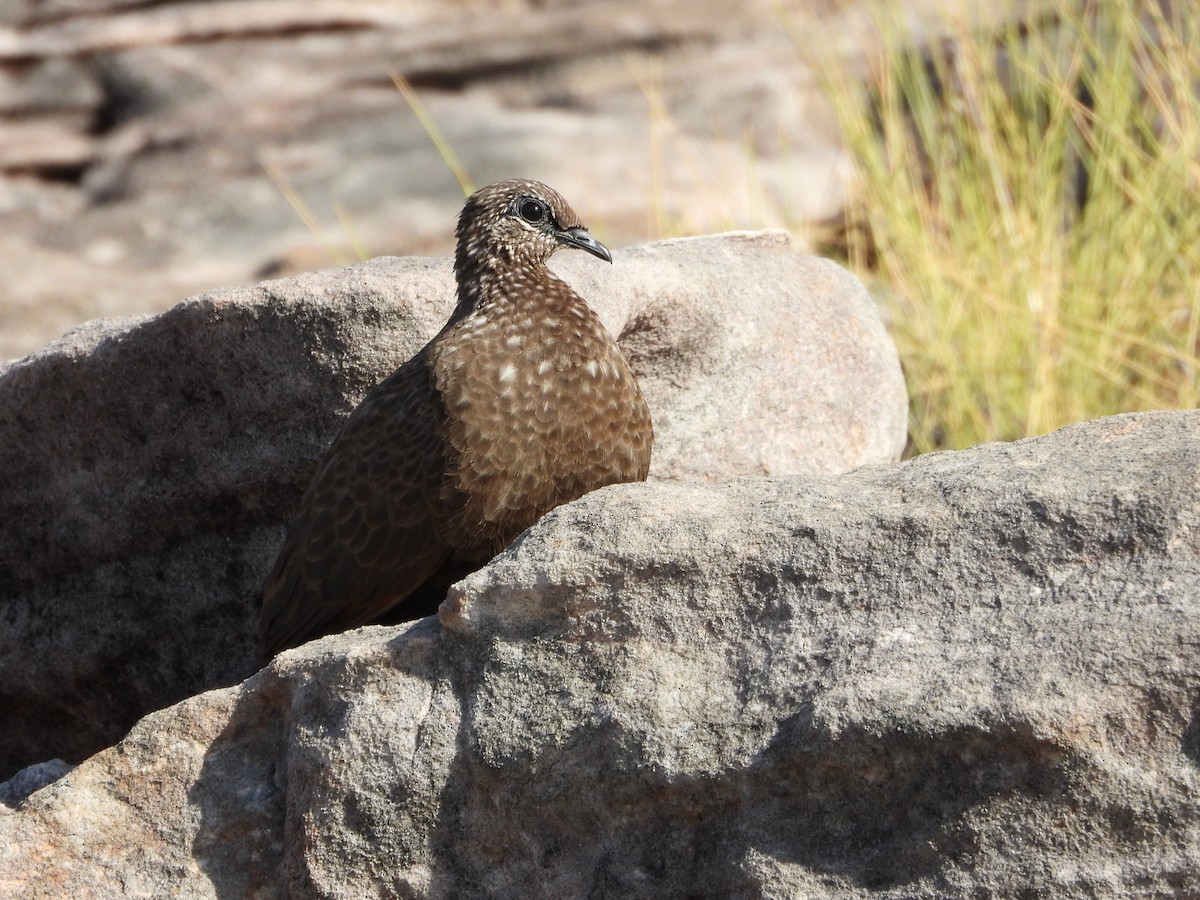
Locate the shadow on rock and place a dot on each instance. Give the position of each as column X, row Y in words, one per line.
column 590, row 819
column 240, row 794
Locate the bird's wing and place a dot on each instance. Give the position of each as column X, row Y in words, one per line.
column 364, row 538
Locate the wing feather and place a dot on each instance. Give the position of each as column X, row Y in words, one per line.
column 364, row 538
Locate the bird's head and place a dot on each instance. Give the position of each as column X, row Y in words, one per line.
column 519, row 223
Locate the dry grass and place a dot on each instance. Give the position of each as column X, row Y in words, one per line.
column 1032, row 202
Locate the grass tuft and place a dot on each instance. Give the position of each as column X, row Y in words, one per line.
column 1030, row 203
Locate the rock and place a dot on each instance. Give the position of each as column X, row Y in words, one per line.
column 971, row 674
column 52, row 143
column 175, row 130
column 151, row 463
column 30, row 779
column 777, row 378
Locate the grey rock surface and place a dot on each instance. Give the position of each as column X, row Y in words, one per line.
column 970, row 674
column 147, row 150
column 150, row 463
column 30, row 779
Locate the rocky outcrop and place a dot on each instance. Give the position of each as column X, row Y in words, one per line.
column 149, row 464
column 971, row 674
column 148, row 150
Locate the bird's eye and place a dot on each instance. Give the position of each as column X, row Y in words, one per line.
column 532, row 211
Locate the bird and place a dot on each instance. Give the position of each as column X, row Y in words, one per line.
column 522, row 401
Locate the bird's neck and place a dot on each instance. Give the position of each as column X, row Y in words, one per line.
column 491, row 281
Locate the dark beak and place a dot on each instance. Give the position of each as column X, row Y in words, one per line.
column 579, row 237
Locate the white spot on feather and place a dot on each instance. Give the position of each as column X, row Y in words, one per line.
column 508, row 373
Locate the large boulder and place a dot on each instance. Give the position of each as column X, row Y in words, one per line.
column 971, row 674
column 149, row 464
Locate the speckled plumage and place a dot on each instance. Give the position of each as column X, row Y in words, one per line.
column 523, row 401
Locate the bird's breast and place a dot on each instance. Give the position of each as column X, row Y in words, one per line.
column 539, row 409
column 504, row 375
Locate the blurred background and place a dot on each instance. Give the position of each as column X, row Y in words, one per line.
column 1018, row 185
